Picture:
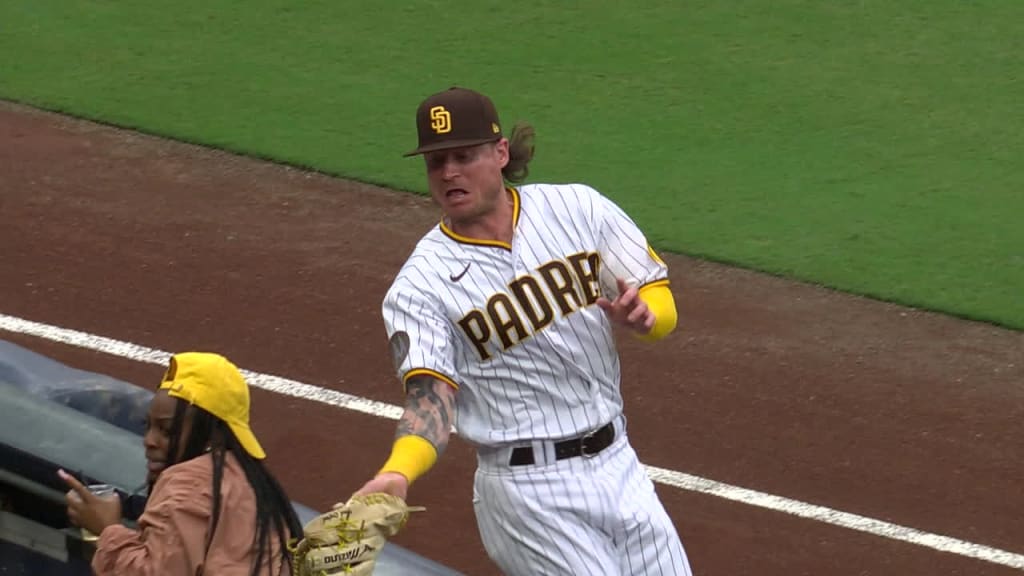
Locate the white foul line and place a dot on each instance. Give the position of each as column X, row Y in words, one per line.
column 138, row 353
column 681, row 480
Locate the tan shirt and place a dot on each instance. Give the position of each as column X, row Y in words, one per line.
column 172, row 531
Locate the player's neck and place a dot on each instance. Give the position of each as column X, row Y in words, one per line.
column 494, row 225
column 490, row 227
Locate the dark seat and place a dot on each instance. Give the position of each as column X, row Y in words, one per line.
column 116, row 402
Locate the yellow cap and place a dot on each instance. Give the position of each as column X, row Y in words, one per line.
column 214, row 384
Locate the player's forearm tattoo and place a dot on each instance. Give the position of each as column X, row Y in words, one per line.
column 429, row 406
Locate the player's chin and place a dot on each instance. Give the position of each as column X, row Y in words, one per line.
column 461, row 212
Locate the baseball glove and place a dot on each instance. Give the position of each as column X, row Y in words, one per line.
column 348, row 539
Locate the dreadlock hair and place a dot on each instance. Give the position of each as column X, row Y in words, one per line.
column 520, row 152
column 275, row 517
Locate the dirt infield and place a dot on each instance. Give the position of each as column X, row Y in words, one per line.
column 895, row 414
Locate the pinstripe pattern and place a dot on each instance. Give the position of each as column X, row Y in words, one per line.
column 558, row 382
column 577, row 516
column 515, row 329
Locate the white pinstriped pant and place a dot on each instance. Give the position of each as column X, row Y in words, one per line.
column 580, row 516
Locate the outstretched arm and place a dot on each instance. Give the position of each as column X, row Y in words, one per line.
column 422, row 435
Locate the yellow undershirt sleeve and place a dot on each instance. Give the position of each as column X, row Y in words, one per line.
column 411, row 456
column 658, row 298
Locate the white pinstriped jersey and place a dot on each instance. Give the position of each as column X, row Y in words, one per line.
column 515, row 327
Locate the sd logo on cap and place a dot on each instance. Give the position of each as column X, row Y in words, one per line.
column 456, row 118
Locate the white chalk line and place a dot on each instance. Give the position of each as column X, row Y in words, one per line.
column 287, row 387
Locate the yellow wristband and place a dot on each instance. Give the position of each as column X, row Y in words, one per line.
column 411, row 456
column 659, row 300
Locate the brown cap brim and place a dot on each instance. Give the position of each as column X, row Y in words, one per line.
column 449, row 144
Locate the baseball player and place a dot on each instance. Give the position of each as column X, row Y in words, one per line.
column 500, row 323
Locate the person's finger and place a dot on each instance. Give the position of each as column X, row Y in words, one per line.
column 649, row 323
column 622, row 284
column 73, row 510
column 629, row 299
column 604, row 304
column 637, row 314
column 75, row 485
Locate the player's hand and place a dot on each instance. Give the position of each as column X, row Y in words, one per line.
column 87, row 510
column 628, row 309
column 388, row 482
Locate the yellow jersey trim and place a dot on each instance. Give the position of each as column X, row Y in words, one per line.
column 654, row 255
column 478, row 242
column 432, row 374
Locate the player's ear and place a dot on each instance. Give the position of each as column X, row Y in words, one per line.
column 501, row 148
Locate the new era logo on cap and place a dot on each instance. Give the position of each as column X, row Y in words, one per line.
column 456, row 118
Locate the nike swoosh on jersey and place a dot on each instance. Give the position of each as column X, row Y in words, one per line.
column 457, row 277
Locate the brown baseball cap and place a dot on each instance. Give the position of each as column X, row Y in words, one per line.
column 455, row 118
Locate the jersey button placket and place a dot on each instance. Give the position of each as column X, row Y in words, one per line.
column 518, row 267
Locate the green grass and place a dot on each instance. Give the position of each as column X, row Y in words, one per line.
column 871, row 146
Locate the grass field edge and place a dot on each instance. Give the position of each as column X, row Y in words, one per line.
column 1016, row 326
